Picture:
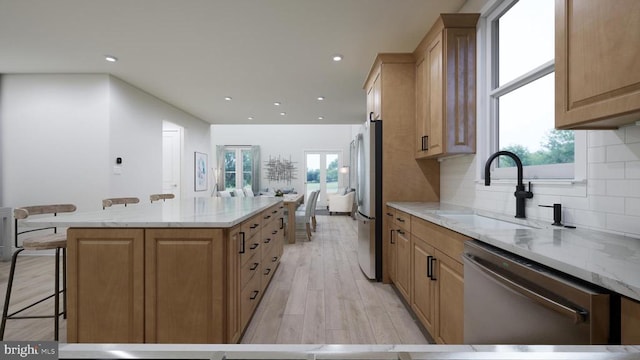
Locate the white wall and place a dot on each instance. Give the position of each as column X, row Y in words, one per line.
column 285, row 141
column 60, row 135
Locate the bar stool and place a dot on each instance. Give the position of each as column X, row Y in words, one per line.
column 158, row 197
column 39, row 242
column 119, row 201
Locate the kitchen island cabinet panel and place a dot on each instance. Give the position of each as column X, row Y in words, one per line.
column 105, row 289
column 449, row 300
column 630, row 321
column 184, row 290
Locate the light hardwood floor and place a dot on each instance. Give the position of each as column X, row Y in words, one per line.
column 318, row 295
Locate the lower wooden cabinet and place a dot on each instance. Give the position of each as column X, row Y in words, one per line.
column 449, row 295
column 184, row 286
column 630, row 322
column 169, row 285
column 403, row 263
column 424, row 290
column 429, row 275
column 105, row 289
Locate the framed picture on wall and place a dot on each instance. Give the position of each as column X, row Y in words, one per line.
column 201, row 173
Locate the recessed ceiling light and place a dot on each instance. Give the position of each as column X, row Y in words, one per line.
column 320, row 117
column 320, row 98
column 228, row 98
column 283, row 113
column 250, row 118
column 110, row 58
column 337, row 57
column 277, row 103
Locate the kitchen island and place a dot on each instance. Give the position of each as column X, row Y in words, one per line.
column 189, row 271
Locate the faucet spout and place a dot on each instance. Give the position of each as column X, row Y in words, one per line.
column 520, row 192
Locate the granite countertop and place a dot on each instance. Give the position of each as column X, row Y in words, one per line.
column 608, row 260
column 192, row 212
column 303, row 352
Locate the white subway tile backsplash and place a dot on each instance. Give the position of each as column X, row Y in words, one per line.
column 606, row 204
column 623, row 152
column 632, row 170
column 605, row 137
column 596, row 187
column 596, row 154
column 606, row 170
column 632, row 134
column 623, row 188
column 589, row 219
column 622, row 223
column 632, row 207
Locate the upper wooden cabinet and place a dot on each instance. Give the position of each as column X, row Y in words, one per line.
column 597, row 63
column 446, row 88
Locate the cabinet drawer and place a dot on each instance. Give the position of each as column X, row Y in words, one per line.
column 270, row 215
column 249, row 269
column 403, row 220
column 252, row 226
column 249, row 299
column 249, row 246
column 449, row 242
column 270, row 264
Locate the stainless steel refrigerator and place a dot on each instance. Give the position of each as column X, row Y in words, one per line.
column 369, row 198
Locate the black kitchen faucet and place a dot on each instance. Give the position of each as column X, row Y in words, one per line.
column 520, row 193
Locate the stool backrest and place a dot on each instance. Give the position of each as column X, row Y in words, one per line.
column 24, row 212
column 119, row 201
column 158, row 197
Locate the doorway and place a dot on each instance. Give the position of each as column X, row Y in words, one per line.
column 322, row 173
column 171, row 158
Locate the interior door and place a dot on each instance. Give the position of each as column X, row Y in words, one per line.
column 322, row 174
column 171, row 149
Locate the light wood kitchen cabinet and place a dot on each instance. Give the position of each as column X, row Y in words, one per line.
column 446, row 88
column 390, row 89
column 597, row 64
column 438, row 299
column 424, row 290
column 391, row 243
column 184, row 286
column 630, row 322
column 403, row 262
column 105, row 290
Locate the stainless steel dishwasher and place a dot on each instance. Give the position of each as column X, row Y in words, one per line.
column 511, row 300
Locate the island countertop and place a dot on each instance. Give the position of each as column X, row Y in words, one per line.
column 608, row 260
column 185, row 213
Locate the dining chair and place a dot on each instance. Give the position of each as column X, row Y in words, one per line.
column 119, row 201
column 163, row 197
column 38, row 239
column 305, row 216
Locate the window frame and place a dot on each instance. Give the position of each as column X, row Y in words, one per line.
column 488, row 99
column 239, row 170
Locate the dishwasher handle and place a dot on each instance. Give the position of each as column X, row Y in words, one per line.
column 578, row 315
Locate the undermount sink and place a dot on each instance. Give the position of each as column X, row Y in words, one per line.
column 483, row 222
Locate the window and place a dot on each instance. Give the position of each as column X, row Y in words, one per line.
column 238, row 167
column 520, row 86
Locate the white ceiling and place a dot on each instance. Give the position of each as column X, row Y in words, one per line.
column 193, row 53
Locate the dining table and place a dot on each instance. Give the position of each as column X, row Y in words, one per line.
column 292, row 201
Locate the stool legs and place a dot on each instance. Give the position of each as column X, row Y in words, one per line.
column 55, row 295
column 7, row 297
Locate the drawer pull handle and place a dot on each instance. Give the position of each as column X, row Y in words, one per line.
column 254, row 246
column 400, row 232
column 254, row 294
column 267, row 271
column 281, row 223
column 400, row 219
column 267, row 240
column 242, row 243
column 274, row 211
column 274, row 232
column 389, row 214
column 430, row 274
column 267, row 217
column 391, row 238
column 275, row 258
column 255, row 266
